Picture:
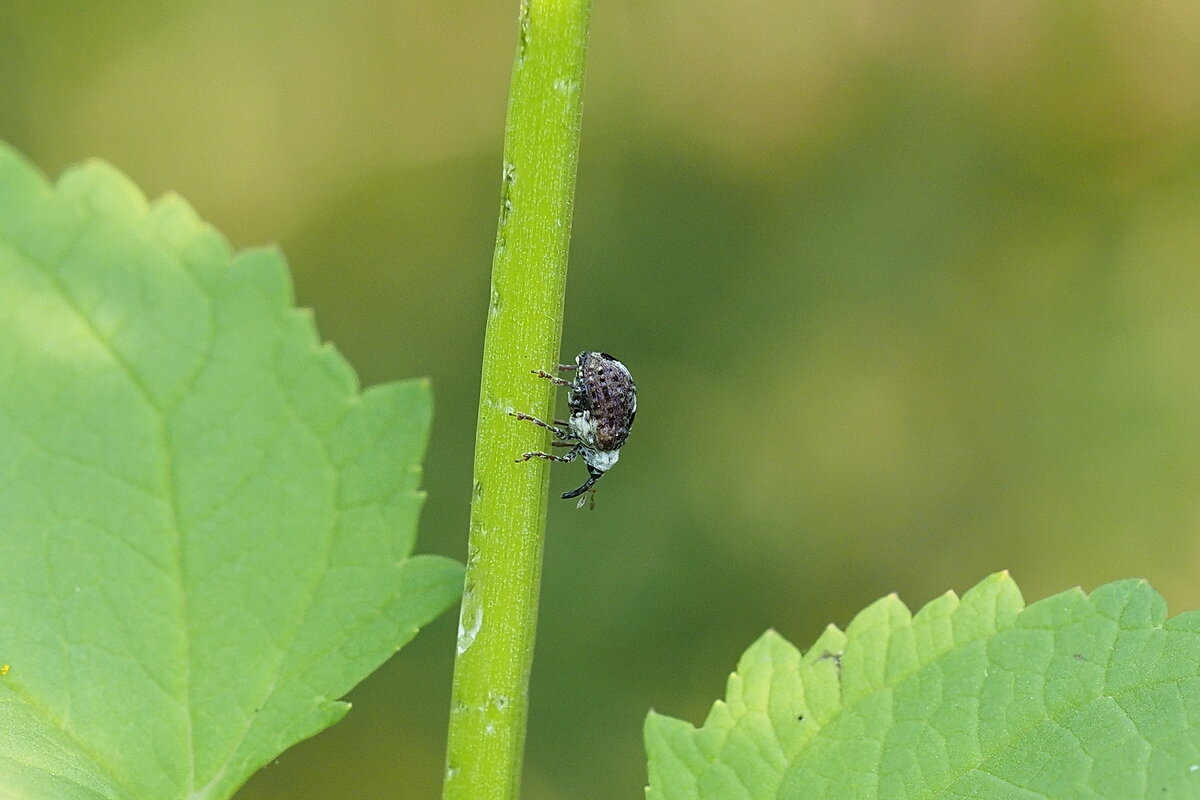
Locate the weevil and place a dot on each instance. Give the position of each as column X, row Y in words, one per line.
column 602, row 401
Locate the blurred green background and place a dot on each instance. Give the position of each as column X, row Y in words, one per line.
column 911, row 292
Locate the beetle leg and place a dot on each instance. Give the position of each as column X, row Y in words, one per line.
column 559, row 432
column 541, row 373
column 565, row 459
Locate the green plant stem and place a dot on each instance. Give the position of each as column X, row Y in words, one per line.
column 524, row 327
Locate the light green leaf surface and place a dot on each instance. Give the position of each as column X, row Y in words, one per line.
column 1076, row 696
column 205, row 529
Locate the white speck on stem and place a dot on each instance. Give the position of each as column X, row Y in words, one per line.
column 467, row 634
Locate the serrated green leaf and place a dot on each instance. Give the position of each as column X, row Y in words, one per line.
column 205, row 528
column 1076, row 696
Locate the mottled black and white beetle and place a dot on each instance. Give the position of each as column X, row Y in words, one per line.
column 603, row 402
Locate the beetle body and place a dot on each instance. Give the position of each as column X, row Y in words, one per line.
column 602, row 400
